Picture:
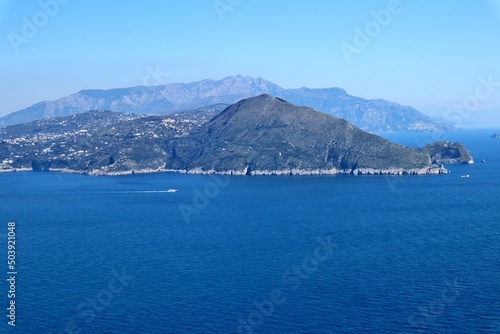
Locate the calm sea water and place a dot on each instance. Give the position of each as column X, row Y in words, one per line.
column 331, row 254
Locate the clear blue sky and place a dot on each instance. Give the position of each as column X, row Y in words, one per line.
column 430, row 52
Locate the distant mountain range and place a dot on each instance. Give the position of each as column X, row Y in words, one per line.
column 255, row 136
column 376, row 116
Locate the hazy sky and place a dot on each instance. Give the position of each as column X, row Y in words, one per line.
column 423, row 52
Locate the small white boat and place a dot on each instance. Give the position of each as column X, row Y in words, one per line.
column 465, row 176
column 172, row 190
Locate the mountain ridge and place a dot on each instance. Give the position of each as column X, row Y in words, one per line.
column 324, row 142
column 370, row 115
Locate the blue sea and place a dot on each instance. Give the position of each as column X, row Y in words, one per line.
column 299, row 254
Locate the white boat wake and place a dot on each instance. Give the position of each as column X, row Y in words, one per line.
column 139, row 191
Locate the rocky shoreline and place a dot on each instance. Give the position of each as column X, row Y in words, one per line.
column 432, row 170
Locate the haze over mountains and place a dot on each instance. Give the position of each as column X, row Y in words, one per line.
column 376, row 116
column 463, row 118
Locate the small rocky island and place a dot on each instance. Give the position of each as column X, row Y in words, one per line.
column 447, row 153
column 262, row 135
column 496, row 136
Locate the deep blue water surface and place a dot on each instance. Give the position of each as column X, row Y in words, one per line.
column 330, row 254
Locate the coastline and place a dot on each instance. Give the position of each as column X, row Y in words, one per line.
column 430, row 170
